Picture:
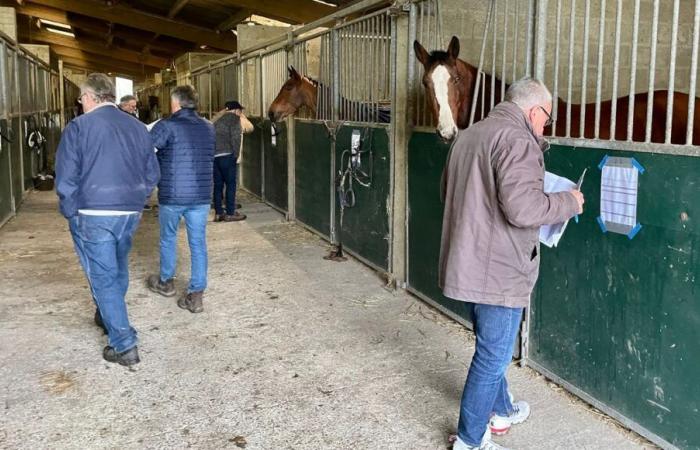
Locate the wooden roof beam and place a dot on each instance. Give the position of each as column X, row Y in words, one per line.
column 128, row 16
column 298, row 11
column 234, row 20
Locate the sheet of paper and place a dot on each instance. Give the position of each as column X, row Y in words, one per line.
column 618, row 195
column 551, row 234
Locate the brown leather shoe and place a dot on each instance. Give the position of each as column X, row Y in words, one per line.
column 166, row 289
column 191, row 302
column 235, row 217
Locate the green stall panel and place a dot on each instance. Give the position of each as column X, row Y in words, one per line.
column 251, row 162
column 30, row 157
column 366, row 226
column 427, row 154
column 275, row 164
column 312, row 190
column 16, row 157
column 619, row 319
column 5, row 178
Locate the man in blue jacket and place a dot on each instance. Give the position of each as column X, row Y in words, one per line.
column 105, row 169
column 185, row 143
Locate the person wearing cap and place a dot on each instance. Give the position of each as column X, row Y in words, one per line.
column 229, row 124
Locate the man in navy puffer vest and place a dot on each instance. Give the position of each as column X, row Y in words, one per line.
column 185, row 143
column 105, row 169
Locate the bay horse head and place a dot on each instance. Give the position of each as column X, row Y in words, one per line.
column 449, row 83
column 296, row 92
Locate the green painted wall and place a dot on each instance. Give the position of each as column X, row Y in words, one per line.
column 426, row 158
column 313, row 180
column 16, row 151
column 275, row 165
column 620, row 318
column 366, row 226
column 251, row 164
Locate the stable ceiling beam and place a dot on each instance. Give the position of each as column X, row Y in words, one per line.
column 112, row 66
column 131, row 17
column 179, row 4
column 298, row 11
column 234, row 20
column 99, row 27
column 94, row 47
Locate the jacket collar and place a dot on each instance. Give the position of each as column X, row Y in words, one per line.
column 184, row 112
column 510, row 111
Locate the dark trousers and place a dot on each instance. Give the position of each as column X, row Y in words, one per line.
column 225, row 170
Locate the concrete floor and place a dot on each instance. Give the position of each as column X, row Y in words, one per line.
column 292, row 352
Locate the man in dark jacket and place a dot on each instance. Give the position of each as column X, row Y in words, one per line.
column 228, row 125
column 105, row 169
column 495, row 203
column 185, row 143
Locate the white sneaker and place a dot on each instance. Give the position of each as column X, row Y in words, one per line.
column 501, row 424
column 486, row 444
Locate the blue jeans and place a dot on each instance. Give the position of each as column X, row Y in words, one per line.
column 486, row 389
column 225, row 169
column 103, row 244
column 196, row 223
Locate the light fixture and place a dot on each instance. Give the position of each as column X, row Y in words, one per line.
column 55, row 24
column 203, row 47
column 65, row 33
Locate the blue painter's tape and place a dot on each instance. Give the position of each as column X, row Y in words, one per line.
column 634, row 231
column 602, row 163
column 636, row 164
column 603, row 228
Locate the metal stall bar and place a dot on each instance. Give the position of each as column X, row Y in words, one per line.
column 493, row 57
column 504, row 49
column 693, row 74
column 530, row 38
column 335, row 67
column 584, row 74
column 515, row 41
column 599, row 78
column 541, row 39
column 555, row 92
column 481, row 62
column 569, row 86
column 633, row 72
column 672, row 74
column 616, row 69
column 652, row 70
column 412, row 82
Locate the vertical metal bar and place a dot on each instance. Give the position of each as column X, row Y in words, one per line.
column 493, row 56
column 481, row 62
column 420, row 100
column 335, row 74
column 693, row 75
column 672, row 73
column 515, row 39
column 483, row 97
column 584, row 74
column 530, row 38
column 555, row 92
column 412, row 84
column 633, row 71
column 540, row 39
column 572, row 29
column 652, row 71
column 504, row 49
column 373, row 51
column 599, row 78
column 616, row 69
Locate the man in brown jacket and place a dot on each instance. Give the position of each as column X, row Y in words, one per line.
column 494, row 206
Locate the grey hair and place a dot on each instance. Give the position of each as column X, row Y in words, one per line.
column 528, row 92
column 99, row 86
column 186, row 96
column 127, row 98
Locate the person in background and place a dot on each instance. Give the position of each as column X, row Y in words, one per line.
column 105, row 169
column 128, row 104
column 185, row 143
column 229, row 123
column 493, row 188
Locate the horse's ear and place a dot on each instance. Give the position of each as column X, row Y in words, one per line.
column 453, row 48
column 421, row 53
column 293, row 72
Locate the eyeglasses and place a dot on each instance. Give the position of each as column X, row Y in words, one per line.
column 549, row 117
column 80, row 99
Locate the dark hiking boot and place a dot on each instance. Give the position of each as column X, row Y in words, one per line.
column 191, row 302
column 235, row 217
column 219, row 218
column 127, row 358
column 166, row 289
column 99, row 322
